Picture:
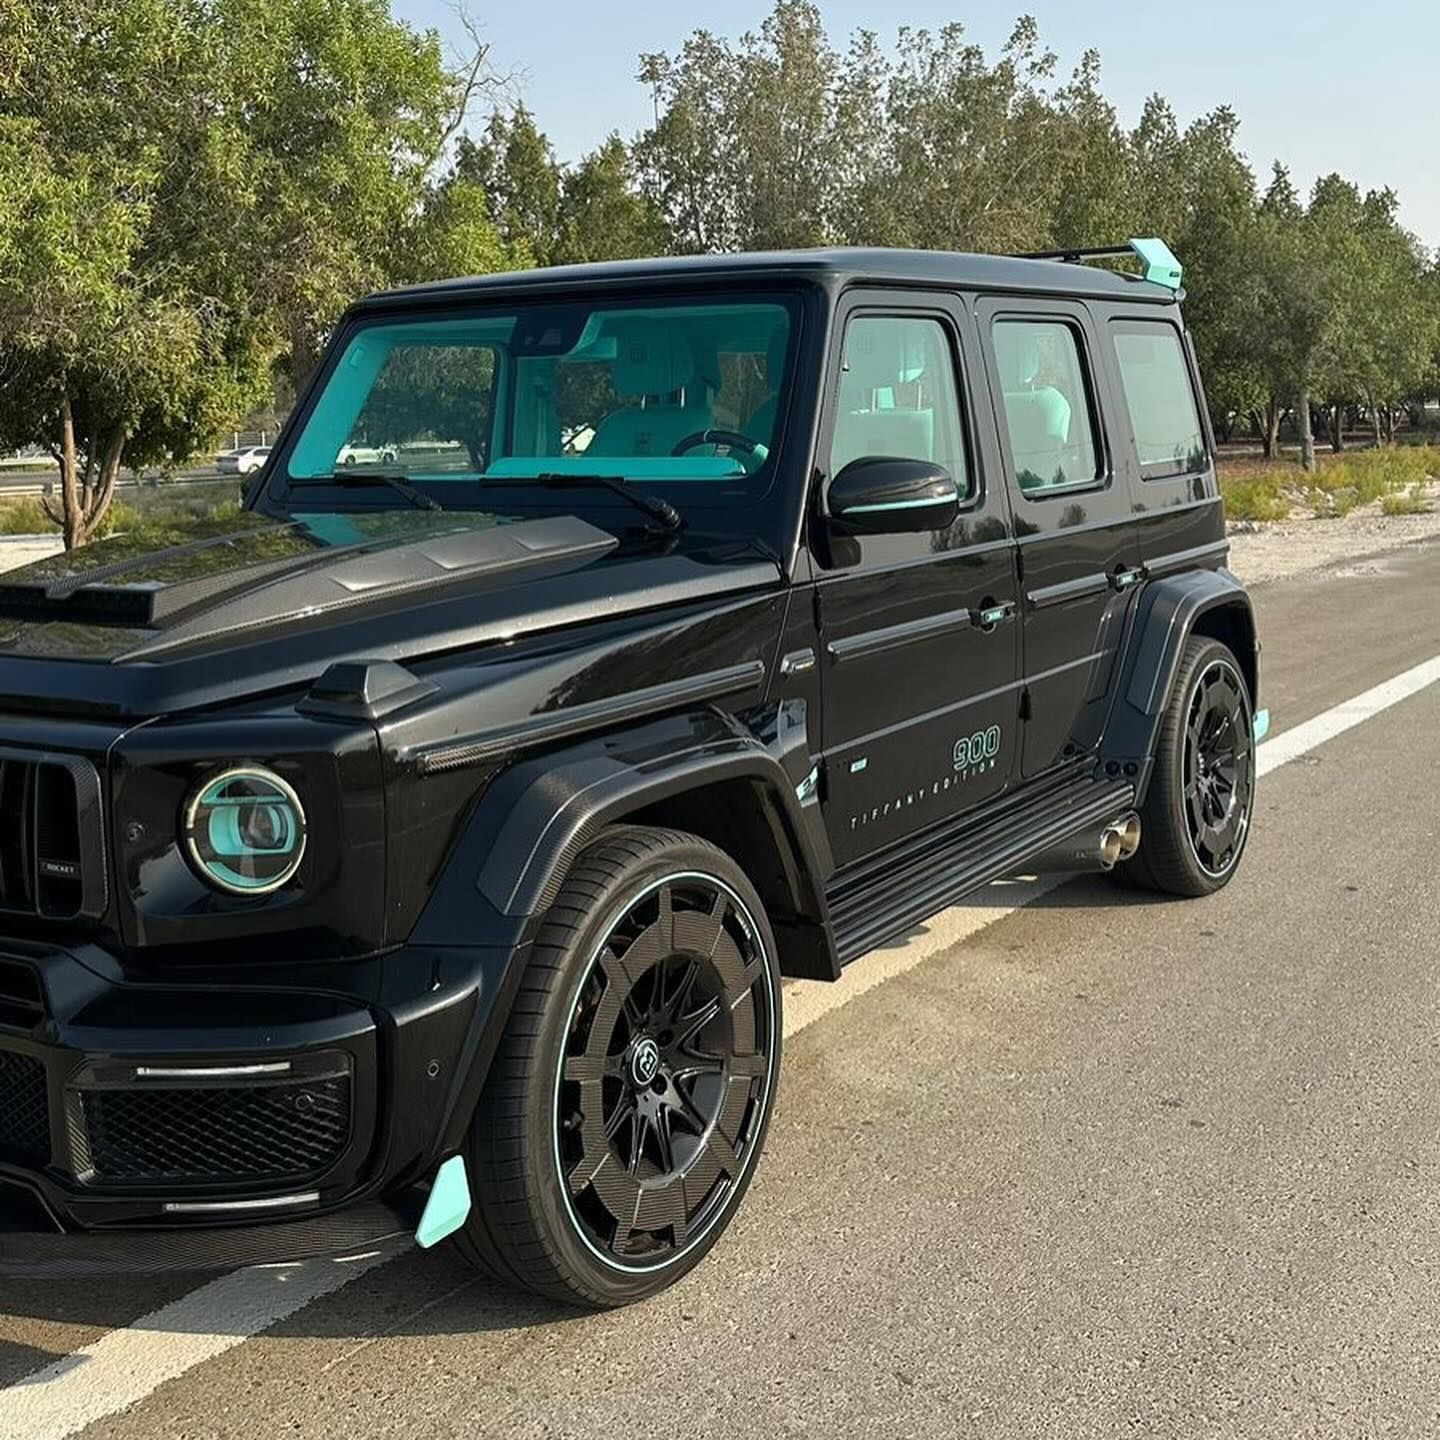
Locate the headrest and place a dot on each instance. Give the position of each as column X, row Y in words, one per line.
column 881, row 354
column 651, row 360
column 1017, row 357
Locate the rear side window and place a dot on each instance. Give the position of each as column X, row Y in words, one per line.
column 899, row 398
column 1047, row 405
column 1160, row 398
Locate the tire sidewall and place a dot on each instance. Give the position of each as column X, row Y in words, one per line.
column 1210, row 653
column 611, row 1283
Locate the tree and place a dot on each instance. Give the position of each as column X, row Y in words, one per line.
column 603, row 213
column 515, row 168
column 334, row 116
column 124, row 334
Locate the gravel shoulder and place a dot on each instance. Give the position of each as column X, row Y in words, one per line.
column 1282, row 549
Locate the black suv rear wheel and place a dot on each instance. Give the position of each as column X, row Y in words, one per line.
column 628, row 1103
column 1196, row 816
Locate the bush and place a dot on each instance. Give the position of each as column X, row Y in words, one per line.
column 160, row 513
column 24, row 516
column 1405, row 502
column 1254, row 497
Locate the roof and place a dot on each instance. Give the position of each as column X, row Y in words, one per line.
column 941, row 268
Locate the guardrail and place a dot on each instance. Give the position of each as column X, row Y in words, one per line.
column 21, row 482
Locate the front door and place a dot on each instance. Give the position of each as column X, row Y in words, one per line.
column 918, row 635
column 1078, row 545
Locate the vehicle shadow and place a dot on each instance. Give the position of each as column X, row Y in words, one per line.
column 409, row 1292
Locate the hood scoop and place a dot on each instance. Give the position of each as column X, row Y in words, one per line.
column 202, row 586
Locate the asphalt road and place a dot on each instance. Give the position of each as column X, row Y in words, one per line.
column 1103, row 1167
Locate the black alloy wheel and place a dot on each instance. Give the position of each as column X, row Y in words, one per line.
column 628, row 1102
column 1195, row 820
column 668, row 1055
column 1219, row 767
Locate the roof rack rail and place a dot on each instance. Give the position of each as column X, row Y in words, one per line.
column 1076, row 254
column 1155, row 256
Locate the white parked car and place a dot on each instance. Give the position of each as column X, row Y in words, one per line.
column 243, row 461
column 365, row 455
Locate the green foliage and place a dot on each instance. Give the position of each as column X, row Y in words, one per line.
column 1253, row 497
column 24, row 515
column 1406, row 502
column 1395, row 477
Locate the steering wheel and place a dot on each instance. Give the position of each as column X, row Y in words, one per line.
column 731, row 439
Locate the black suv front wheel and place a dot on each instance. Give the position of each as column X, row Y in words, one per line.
column 628, row 1103
column 1196, row 816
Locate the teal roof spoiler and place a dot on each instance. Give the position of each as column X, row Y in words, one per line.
column 1159, row 262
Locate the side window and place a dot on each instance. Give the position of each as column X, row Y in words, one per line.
column 1047, row 404
column 899, row 397
column 1160, row 398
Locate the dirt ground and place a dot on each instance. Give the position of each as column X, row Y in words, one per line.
column 1280, row 549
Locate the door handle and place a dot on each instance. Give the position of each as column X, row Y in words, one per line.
column 1124, row 576
column 992, row 613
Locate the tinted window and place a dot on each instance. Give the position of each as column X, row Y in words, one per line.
column 1047, row 406
column 630, row 391
column 1160, row 399
column 898, row 396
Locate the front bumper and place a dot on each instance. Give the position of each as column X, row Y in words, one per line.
column 198, row 1119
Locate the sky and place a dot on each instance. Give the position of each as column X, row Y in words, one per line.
column 1320, row 85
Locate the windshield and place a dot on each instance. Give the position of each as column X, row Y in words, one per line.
column 667, row 392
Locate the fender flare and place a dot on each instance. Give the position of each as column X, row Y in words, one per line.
column 541, row 812
column 1168, row 613
column 533, row 820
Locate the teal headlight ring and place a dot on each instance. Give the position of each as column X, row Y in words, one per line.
column 245, row 831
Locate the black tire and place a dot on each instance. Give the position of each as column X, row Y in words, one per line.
column 646, row 1034
column 1195, row 821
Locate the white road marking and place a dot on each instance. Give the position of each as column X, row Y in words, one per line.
column 807, row 1001
column 1292, row 744
column 125, row 1366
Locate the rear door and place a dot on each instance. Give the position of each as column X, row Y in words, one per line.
column 1078, row 545
column 919, row 648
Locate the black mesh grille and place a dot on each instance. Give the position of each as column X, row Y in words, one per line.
column 24, row 1111
column 262, row 1132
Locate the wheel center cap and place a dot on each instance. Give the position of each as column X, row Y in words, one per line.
column 644, row 1061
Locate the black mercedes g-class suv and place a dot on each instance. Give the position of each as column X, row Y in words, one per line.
column 425, row 847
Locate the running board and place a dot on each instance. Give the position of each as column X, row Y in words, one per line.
column 878, row 902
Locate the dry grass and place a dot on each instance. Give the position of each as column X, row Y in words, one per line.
column 163, row 509
column 1395, row 477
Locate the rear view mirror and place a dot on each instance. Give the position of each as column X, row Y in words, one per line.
column 876, row 495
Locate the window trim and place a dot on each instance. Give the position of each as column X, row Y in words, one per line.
column 879, row 310
column 1105, row 469
column 1161, row 469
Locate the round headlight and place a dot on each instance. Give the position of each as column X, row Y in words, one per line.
column 245, row 831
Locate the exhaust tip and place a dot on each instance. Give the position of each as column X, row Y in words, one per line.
column 1127, row 834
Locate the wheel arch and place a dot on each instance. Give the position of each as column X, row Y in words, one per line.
column 1212, row 603
column 742, row 786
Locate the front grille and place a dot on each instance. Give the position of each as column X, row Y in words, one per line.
column 24, row 1111
column 52, row 861
column 292, row 1130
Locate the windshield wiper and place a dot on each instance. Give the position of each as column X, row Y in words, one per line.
column 656, row 508
column 398, row 483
